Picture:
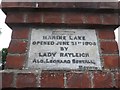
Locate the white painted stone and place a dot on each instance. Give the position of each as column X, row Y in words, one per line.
column 46, row 52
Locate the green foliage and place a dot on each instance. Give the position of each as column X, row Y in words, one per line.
column 4, row 55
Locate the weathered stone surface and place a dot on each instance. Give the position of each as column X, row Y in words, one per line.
column 64, row 49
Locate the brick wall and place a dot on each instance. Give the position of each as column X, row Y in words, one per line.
column 22, row 17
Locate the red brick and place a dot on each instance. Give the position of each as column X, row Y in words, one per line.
column 102, row 80
column 117, row 79
column 93, row 19
column 52, row 17
column 74, row 18
column 18, row 4
column 112, row 5
column 47, row 4
column 90, row 5
column 86, row 5
column 7, row 80
column 111, row 62
column 34, row 17
column 15, row 62
column 20, row 33
column 54, row 80
column 106, row 34
column 110, row 19
column 17, row 46
column 26, row 4
column 13, row 17
column 25, row 80
column 66, row 5
column 9, row 4
column 109, row 47
column 78, row 80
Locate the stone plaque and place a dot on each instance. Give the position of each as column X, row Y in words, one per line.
column 64, row 49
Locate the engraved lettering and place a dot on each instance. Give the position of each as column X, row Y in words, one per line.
column 51, row 61
column 54, row 37
column 74, row 54
column 77, row 37
column 63, row 48
column 47, row 54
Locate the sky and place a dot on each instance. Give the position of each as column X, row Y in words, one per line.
column 5, row 37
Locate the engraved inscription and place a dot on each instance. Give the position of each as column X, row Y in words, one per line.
column 64, row 49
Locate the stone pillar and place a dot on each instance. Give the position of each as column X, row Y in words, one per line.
column 23, row 18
